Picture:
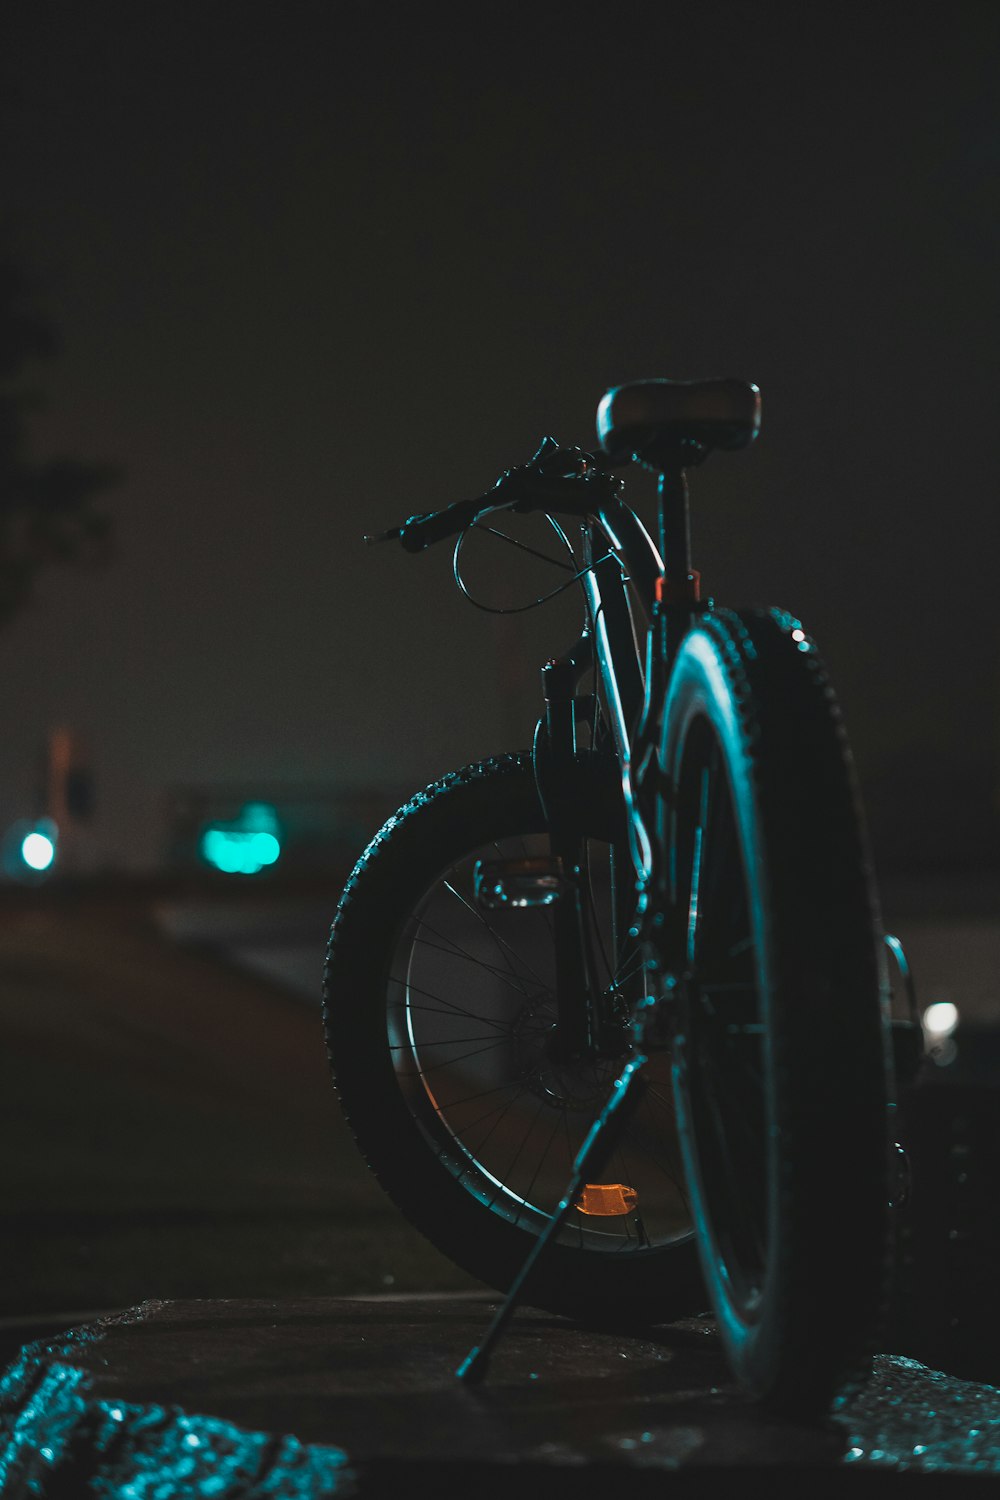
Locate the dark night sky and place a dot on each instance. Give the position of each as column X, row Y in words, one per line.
column 316, row 266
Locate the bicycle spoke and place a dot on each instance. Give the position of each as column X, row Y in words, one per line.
column 497, row 1114
column 456, row 952
column 622, row 977
column 450, row 1012
column 517, row 1153
column 502, row 944
column 452, row 1062
column 448, row 1008
column 541, row 1159
column 571, row 1152
column 451, row 1041
column 592, row 905
column 507, row 975
column 496, row 1088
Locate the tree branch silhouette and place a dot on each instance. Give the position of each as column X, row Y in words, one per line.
column 47, row 510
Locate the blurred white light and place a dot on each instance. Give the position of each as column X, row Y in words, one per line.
column 940, row 1019
column 38, row 851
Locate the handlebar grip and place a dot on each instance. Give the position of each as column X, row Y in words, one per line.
column 420, row 531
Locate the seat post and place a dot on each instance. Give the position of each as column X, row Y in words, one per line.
column 675, row 531
column 678, row 590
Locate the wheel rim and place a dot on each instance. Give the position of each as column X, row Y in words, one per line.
column 723, row 1063
column 470, row 1008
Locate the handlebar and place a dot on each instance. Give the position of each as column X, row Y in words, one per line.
column 555, row 479
column 420, row 531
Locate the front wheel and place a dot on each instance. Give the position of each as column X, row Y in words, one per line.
column 440, row 1016
column 771, row 937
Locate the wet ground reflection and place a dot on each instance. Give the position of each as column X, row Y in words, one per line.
column 910, row 1417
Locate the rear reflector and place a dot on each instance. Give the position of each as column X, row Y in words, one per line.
column 607, row 1200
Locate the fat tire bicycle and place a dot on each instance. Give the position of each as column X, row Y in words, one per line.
column 643, row 958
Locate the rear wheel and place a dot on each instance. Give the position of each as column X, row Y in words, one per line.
column 780, row 1062
column 439, row 1017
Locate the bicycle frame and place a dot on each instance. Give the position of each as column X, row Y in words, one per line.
column 617, row 549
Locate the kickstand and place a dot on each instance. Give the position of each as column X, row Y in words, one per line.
column 600, row 1141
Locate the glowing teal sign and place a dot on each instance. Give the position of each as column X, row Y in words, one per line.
column 245, row 846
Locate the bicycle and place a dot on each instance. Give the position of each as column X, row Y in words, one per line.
column 665, row 913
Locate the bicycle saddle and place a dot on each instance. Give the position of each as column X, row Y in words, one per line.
column 661, row 423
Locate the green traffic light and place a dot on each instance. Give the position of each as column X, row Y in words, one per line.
column 38, row 850
column 245, row 846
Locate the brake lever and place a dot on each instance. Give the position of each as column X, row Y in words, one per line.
column 392, row 535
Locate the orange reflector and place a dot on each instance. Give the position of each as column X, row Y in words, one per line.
column 606, row 1200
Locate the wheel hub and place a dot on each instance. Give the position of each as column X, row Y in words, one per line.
column 567, row 1084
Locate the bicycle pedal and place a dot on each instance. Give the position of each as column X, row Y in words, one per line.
column 538, row 880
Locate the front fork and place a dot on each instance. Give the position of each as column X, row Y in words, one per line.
column 585, row 1011
column 589, row 1014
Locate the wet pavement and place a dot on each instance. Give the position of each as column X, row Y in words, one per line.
column 354, row 1396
